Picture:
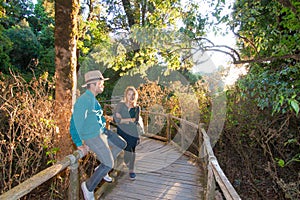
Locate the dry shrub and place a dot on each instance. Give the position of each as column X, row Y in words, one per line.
column 175, row 99
column 152, row 94
column 27, row 128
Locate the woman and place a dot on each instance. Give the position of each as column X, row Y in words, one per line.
column 127, row 115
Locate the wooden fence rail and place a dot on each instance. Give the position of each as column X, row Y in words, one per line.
column 27, row 186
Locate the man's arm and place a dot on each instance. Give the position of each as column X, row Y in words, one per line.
column 74, row 134
column 76, row 138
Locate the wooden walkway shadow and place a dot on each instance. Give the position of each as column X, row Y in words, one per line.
column 163, row 172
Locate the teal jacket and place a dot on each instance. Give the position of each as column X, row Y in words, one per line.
column 87, row 120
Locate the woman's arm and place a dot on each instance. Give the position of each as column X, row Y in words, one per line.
column 118, row 117
column 124, row 120
column 137, row 114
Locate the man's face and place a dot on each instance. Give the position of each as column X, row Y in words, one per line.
column 99, row 87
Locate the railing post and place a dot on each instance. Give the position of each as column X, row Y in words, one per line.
column 168, row 129
column 211, row 183
column 201, row 150
column 182, row 132
column 146, row 122
column 74, row 177
column 74, row 182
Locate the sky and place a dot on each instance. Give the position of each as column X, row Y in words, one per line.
column 215, row 59
column 212, row 61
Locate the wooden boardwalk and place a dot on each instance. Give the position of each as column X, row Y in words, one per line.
column 162, row 173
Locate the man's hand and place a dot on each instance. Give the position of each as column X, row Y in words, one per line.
column 84, row 148
column 108, row 118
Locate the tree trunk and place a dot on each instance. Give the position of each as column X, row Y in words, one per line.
column 66, row 15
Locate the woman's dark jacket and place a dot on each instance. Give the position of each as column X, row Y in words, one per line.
column 127, row 131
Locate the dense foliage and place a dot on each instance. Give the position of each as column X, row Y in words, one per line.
column 270, row 30
column 262, row 126
column 27, row 35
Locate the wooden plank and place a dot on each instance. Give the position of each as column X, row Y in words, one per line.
column 164, row 193
column 149, row 189
column 155, row 163
column 158, row 192
column 157, row 158
column 179, row 179
column 151, row 135
column 145, row 180
column 171, row 168
column 173, row 179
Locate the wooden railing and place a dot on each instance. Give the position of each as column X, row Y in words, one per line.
column 173, row 126
column 71, row 162
column 27, row 186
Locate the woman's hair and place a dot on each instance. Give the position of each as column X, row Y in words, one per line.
column 131, row 88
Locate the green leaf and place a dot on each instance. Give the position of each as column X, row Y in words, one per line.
column 51, row 162
column 280, row 162
column 290, row 141
column 295, row 105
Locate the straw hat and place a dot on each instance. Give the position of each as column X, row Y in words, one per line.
column 93, row 77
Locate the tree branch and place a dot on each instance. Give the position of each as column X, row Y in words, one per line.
column 129, row 12
column 269, row 59
column 245, row 39
column 225, row 52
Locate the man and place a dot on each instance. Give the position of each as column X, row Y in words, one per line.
column 88, row 125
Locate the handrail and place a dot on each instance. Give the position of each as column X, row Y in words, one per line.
column 70, row 161
column 226, row 187
column 38, row 179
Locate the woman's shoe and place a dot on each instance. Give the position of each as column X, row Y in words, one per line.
column 132, row 176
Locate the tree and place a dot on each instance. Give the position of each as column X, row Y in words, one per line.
column 273, row 39
column 42, row 16
column 66, row 13
column 146, row 33
column 25, row 46
column 15, row 11
column 5, row 48
column 274, row 30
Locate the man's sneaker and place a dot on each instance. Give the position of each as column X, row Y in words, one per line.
column 106, row 178
column 86, row 193
column 132, row 176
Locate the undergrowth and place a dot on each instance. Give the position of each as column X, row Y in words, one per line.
column 260, row 152
column 27, row 128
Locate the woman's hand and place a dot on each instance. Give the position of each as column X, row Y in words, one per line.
column 127, row 120
column 124, row 120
